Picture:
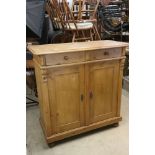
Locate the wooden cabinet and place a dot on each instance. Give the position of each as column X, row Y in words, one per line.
column 79, row 86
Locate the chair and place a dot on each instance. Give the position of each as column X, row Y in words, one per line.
column 86, row 10
column 55, row 21
column 53, row 13
column 80, row 30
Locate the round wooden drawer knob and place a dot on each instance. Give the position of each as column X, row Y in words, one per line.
column 106, row 53
column 66, row 57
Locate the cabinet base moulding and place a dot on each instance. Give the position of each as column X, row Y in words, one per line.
column 63, row 135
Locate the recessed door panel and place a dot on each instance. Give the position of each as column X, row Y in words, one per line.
column 103, row 80
column 67, row 106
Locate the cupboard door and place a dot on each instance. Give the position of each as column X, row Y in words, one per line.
column 66, row 89
column 102, row 89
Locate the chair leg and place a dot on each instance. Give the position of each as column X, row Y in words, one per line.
column 73, row 39
column 83, row 34
column 31, row 102
column 96, row 32
column 64, row 37
column 91, row 35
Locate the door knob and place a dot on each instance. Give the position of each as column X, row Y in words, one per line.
column 91, row 95
column 106, row 53
column 66, row 57
column 82, row 97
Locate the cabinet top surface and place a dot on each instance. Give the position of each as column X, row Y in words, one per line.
column 74, row 47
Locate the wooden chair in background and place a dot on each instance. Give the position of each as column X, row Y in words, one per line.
column 56, row 23
column 54, row 14
column 81, row 30
column 86, row 11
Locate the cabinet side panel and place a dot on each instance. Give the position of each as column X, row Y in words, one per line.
column 121, row 67
column 43, row 100
column 37, row 75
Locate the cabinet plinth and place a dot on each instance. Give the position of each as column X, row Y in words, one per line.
column 79, row 86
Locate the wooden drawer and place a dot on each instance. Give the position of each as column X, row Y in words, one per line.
column 64, row 58
column 104, row 54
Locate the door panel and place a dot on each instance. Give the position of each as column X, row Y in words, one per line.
column 66, row 85
column 103, row 81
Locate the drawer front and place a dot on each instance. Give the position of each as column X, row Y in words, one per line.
column 104, row 54
column 64, row 58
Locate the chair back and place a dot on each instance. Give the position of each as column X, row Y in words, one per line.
column 53, row 11
column 85, row 9
column 67, row 15
column 60, row 14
